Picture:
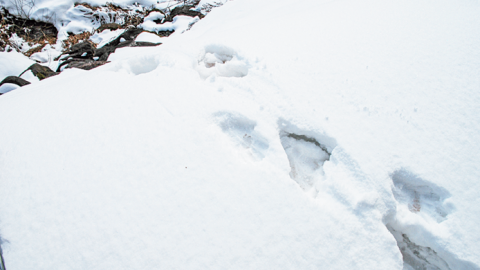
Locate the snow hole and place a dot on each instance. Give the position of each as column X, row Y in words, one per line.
column 418, row 200
column 242, row 131
column 420, row 196
column 2, row 261
column 221, row 61
column 306, row 155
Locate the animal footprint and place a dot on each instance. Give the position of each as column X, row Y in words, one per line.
column 242, row 131
column 427, row 200
column 306, row 155
column 420, row 196
column 221, row 61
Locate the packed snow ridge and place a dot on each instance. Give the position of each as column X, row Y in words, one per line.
column 240, row 135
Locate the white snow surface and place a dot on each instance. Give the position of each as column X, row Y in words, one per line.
column 269, row 136
column 106, row 36
column 46, row 56
column 149, row 37
column 179, row 24
column 13, row 63
column 7, row 87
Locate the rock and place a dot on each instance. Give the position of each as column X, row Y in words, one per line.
column 127, row 43
column 83, row 55
column 131, row 34
column 15, row 80
column 79, row 52
column 104, row 52
column 145, row 44
column 109, row 26
column 126, row 39
column 41, row 72
column 85, row 64
column 165, row 33
column 34, row 50
column 85, row 50
column 183, row 10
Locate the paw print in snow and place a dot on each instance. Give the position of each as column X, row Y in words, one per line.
column 420, row 196
column 242, row 131
column 221, row 61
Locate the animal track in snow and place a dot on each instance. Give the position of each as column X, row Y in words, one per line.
column 420, row 196
column 242, row 131
column 306, row 155
column 2, row 261
column 425, row 200
column 417, row 257
column 221, row 61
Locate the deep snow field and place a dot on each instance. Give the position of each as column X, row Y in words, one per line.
column 273, row 134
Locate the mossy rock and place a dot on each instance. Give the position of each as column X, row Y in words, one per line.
column 41, row 72
column 109, row 26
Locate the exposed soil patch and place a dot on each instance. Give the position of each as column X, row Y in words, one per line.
column 31, row 31
column 75, row 39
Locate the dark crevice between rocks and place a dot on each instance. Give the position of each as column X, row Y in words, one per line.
column 164, row 33
column 145, row 44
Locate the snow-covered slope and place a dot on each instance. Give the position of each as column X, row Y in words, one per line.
column 272, row 135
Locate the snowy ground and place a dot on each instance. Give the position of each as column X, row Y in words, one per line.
column 326, row 135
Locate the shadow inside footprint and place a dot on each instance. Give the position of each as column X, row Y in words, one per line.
column 2, row 262
column 419, row 195
column 306, row 154
column 416, row 256
column 427, row 200
column 242, row 131
column 221, row 61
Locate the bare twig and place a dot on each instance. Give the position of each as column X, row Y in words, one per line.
column 24, row 8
